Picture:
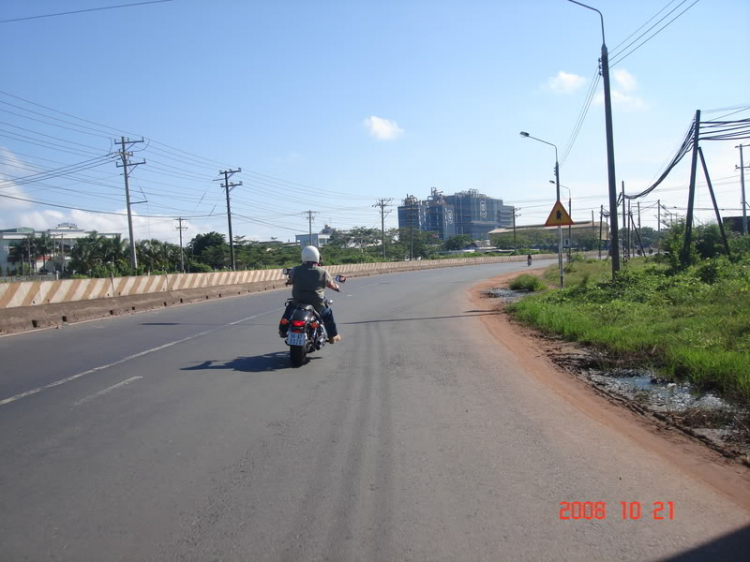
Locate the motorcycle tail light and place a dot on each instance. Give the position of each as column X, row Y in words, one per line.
column 314, row 325
column 298, row 323
column 284, row 322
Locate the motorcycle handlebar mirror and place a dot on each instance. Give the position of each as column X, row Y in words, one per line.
column 286, row 271
column 340, row 279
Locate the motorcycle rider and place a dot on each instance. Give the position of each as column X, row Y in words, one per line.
column 309, row 282
column 528, row 259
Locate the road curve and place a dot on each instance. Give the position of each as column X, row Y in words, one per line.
column 183, row 435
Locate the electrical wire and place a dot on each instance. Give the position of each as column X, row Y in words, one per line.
column 621, row 57
column 581, row 117
column 616, row 47
column 86, row 10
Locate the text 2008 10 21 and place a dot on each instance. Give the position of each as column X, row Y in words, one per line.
column 656, row 511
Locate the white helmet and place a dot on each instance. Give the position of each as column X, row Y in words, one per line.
column 310, row 253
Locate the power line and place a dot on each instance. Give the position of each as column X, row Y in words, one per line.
column 86, row 10
column 620, row 57
column 581, row 116
column 48, row 204
column 614, row 50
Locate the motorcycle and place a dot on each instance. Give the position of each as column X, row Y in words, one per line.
column 306, row 331
column 528, row 261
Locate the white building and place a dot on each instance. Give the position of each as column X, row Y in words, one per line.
column 64, row 237
column 318, row 239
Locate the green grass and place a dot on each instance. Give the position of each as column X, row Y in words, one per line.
column 678, row 323
column 526, row 282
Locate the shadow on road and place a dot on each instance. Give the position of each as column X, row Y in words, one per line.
column 276, row 361
column 733, row 546
column 206, row 324
column 453, row 316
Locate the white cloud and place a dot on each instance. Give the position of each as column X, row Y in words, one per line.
column 565, row 83
column 625, row 80
column 383, row 129
column 623, row 90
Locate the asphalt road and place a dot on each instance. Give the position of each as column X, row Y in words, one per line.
column 183, row 434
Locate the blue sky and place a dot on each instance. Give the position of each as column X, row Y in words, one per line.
column 329, row 105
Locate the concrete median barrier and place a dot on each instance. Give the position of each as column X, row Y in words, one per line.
column 37, row 304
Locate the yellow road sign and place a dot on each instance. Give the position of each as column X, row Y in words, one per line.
column 559, row 216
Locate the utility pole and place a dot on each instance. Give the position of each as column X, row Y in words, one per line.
column 570, row 226
column 624, row 217
column 227, row 188
column 639, row 216
column 610, row 148
column 383, row 203
column 125, row 155
column 658, row 224
column 182, row 254
column 685, row 258
column 411, row 235
column 601, row 218
column 310, row 215
column 742, row 182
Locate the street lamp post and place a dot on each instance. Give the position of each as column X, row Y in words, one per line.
column 559, row 228
column 614, row 236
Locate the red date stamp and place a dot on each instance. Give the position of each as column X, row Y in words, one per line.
column 634, row 511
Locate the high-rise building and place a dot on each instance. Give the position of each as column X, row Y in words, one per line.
column 466, row 212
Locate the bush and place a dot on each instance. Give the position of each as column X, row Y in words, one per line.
column 528, row 283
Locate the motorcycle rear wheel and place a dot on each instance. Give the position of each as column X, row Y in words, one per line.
column 297, row 354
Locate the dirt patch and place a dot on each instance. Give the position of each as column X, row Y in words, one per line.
column 557, row 364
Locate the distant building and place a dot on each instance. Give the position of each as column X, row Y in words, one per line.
column 466, row 212
column 318, row 239
column 594, row 227
column 64, row 237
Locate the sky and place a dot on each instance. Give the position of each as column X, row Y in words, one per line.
column 330, row 105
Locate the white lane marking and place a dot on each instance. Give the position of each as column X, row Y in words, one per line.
column 106, row 390
column 39, row 389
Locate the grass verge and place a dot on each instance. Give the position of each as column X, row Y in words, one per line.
column 692, row 325
column 528, row 283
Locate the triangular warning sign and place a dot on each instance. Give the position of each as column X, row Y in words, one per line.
column 559, row 216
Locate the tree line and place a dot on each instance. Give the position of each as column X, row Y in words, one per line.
column 97, row 255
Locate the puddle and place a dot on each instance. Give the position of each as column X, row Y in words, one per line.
column 661, row 395
column 705, row 413
column 507, row 295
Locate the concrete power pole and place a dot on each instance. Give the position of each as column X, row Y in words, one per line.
column 658, row 221
column 383, row 203
column 742, row 182
column 182, row 254
column 125, row 155
column 310, row 216
column 227, row 188
column 624, row 216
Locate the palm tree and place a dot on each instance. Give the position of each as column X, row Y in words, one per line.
column 19, row 254
column 43, row 246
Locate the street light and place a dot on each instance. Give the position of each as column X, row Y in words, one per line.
column 559, row 228
column 570, row 227
column 614, row 236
